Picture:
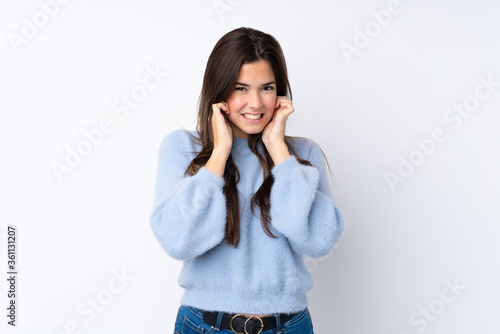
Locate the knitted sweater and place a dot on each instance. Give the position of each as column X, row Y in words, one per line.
column 263, row 274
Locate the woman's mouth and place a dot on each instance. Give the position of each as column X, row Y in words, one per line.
column 253, row 116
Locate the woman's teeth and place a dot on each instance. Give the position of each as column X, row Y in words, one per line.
column 248, row 116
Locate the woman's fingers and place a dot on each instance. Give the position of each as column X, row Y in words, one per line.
column 283, row 108
column 221, row 106
column 222, row 133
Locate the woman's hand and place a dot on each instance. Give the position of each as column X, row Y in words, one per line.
column 221, row 130
column 273, row 135
column 274, row 132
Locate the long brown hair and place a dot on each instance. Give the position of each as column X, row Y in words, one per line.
column 238, row 47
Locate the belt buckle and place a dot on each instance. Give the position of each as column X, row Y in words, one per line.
column 231, row 323
column 261, row 325
column 245, row 325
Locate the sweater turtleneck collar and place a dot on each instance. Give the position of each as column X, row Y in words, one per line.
column 240, row 145
column 240, row 141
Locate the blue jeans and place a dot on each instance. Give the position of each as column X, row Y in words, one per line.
column 190, row 321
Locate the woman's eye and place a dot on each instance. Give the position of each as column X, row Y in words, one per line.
column 268, row 88
column 240, row 88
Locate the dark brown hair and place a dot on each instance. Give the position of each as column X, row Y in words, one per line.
column 238, row 47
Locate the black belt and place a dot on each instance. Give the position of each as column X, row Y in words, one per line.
column 243, row 325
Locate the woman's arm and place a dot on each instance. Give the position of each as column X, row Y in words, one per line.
column 302, row 205
column 189, row 212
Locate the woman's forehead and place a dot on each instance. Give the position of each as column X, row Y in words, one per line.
column 256, row 73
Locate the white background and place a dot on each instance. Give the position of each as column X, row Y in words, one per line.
column 387, row 274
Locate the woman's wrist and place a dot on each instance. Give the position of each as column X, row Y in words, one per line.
column 278, row 153
column 217, row 162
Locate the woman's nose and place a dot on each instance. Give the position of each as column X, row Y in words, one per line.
column 254, row 101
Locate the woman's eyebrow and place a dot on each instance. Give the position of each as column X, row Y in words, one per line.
column 246, row 85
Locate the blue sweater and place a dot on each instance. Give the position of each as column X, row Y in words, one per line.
column 263, row 274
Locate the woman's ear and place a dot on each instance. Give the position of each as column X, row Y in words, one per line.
column 277, row 104
column 226, row 107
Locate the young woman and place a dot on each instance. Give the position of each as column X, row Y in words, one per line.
column 240, row 202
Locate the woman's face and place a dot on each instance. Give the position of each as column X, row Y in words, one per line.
column 252, row 103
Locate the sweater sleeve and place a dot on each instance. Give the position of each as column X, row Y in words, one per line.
column 302, row 205
column 189, row 212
